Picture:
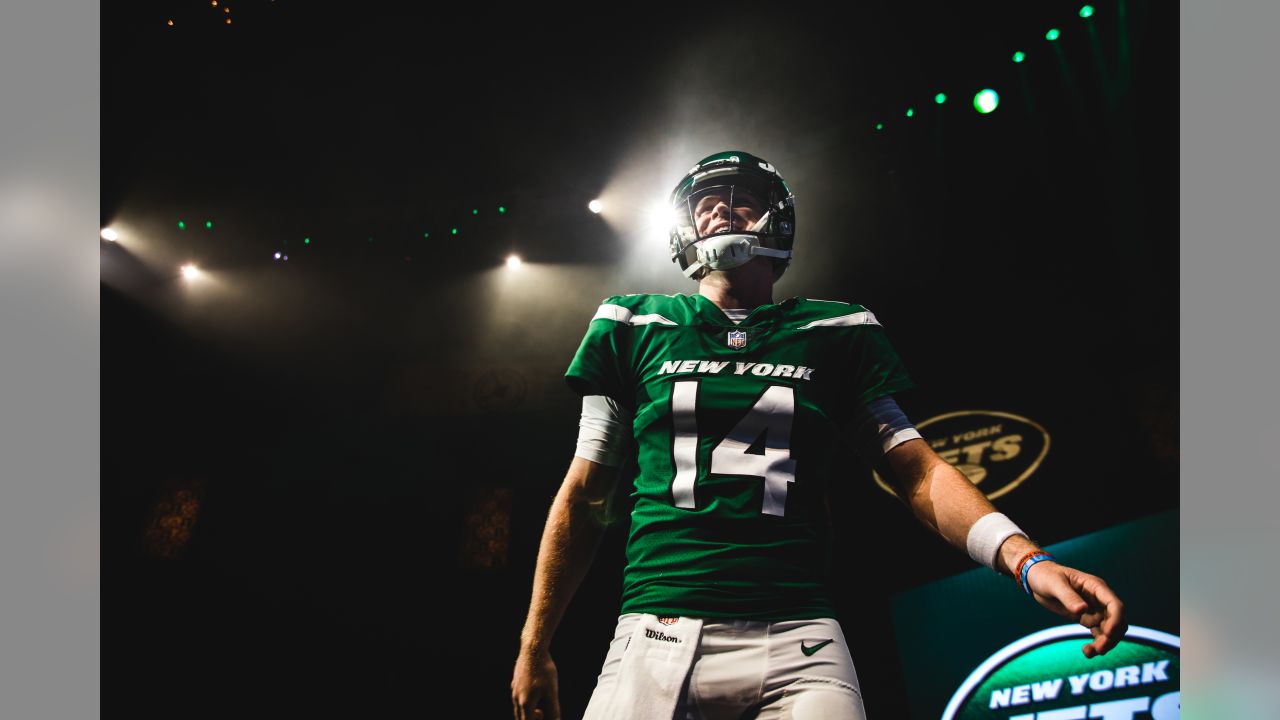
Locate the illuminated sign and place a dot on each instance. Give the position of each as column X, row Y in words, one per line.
column 1045, row 676
column 995, row 450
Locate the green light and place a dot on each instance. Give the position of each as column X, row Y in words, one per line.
column 306, row 241
column 475, row 211
column 1052, row 34
column 1086, row 11
column 208, row 224
column 911, row 111
column 1019, row 56
column 879, row 126
column 986, row 101
column 940, row 98
column 454, row 231
column 502, row 210
column 182, row 225
column 426, row 235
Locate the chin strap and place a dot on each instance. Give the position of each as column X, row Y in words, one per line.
column 752, row 243
column 770, row 252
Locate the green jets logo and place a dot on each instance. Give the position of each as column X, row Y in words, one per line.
column 997, row 451
column 1044, row 676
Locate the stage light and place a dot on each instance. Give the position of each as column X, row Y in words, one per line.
column 306, row 241
column 911, row 111
column 278, row 256
column 502, row 210
column 110, row 235
column 659, row 219
column 182, row 225
column 208, row 224
column 190, row 272
column 170, row 23
column 425, row 235
column 595, row 206
column 454, row 231
column 940, row 98
column 1053, row 34
column 1019, row 56
column 1086, row 11
column 475, row 211
column 986, row 101
column 879, row 126
column 513, row 262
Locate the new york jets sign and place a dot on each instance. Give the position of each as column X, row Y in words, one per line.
column 997, row 451
column 1044, row 676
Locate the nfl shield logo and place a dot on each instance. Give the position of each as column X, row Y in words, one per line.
column 668, row 620
column 737, row 339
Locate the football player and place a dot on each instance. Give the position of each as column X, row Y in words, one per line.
column 739, row 409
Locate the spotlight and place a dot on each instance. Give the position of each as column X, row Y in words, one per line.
column 1019, row 56
column 1086, row 11
column 109, row 235
column 1053, row 34
column 660, row 218
column 595, row 206
column 986, row 101
column 513, row 262
column 278, row 256
column 940, row 98
column 190, row 272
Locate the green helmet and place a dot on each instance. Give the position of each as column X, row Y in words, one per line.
column 729, row 208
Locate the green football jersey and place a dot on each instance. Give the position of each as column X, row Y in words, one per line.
column 735, row 427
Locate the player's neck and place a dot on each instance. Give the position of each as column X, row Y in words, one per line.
column 746, row 287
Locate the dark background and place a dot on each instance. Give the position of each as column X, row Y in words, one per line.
column 325, row 480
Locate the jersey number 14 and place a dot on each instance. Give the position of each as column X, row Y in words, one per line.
column 771, row 416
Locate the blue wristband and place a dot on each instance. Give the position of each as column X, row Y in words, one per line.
column 1027, row 566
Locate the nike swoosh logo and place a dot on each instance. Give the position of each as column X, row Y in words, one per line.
column 815, row 648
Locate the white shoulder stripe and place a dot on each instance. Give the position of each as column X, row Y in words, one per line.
column 859, row 318
column 617, row 313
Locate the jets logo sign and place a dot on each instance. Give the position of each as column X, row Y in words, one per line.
column 997, row 451
column 1044, row 676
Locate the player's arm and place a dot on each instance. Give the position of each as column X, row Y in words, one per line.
column 945, row 501
column 577, row 521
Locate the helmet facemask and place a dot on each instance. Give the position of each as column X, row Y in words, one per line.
column 725, row 217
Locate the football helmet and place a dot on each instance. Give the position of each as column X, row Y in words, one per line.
column 731, row 207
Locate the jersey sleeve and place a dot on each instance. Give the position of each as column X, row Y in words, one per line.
column 877, row 369
column 602, row 364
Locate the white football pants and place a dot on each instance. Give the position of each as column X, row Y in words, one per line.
column 726, row 669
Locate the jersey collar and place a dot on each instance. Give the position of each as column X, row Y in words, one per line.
column 763, row 314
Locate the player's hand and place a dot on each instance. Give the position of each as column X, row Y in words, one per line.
column 535, row 689
column 1082, row 597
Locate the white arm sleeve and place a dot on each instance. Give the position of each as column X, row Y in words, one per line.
column 604, row 432
column 880, row 426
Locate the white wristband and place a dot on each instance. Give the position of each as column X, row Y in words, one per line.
column 986, row 536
